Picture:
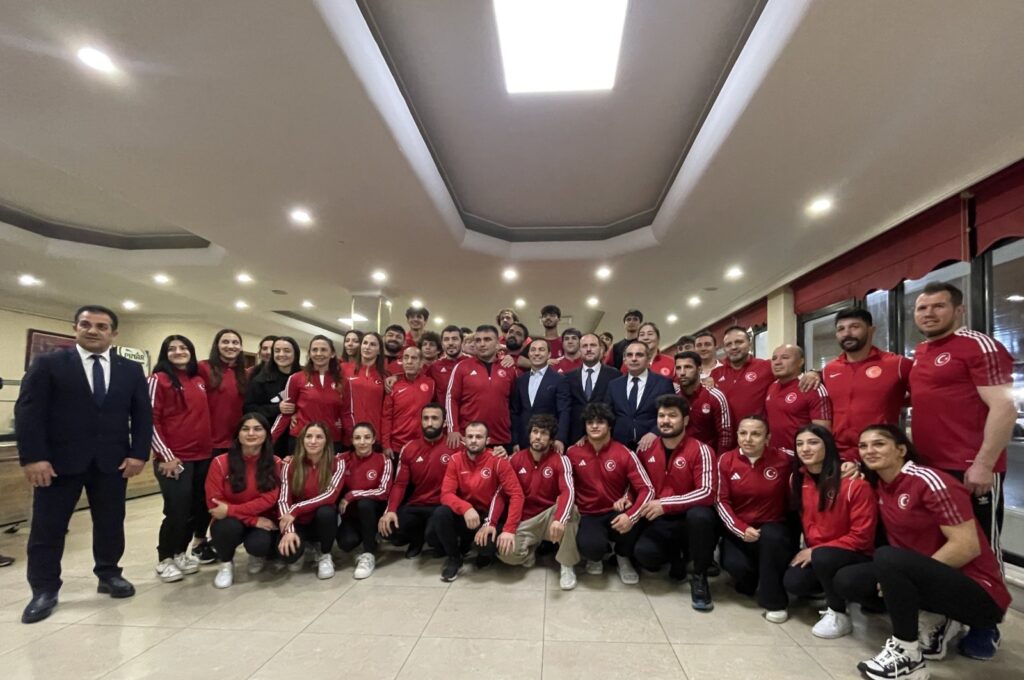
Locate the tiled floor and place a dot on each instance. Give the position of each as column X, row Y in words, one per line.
column 404, row 622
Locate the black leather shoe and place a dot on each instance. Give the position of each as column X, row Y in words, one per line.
column 116, row 587
column 6, row 561
column 41, row 606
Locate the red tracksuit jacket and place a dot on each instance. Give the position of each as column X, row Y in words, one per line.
column 745, row 387
column 545, row 483
column 750, row 495
column 710, row 418
column 400, row 423
column 602, row 477
column 368, row 477
column 421, row 464
column 249, row 504
column 226, row 405
column 302, row 503
column 441, row 372
column 685, row 480
column 474, row 393
column 848, row 523
column 477, row 483
column 788, row 409
column 362, row 399
column 316, row 398
column 181, row 418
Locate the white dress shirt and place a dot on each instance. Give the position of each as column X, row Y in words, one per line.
column 87, row 365
column 535, row 379
column 596, row 368
column 639, row 388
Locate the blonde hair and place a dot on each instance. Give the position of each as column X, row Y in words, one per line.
column 297, row 480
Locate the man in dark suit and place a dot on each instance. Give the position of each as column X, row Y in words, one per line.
column 83, row 420
column 583, row 386
column 633, row 398
column 536, row 393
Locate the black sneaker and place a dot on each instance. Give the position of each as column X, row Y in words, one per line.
column 413, row 550
column 677, row 570
column 205, row 553
column 714, row 570
column 700, row 593
column 451, row 569
column 895, row 661
column 483, row 561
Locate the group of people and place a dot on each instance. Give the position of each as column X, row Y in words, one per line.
column 492, row 444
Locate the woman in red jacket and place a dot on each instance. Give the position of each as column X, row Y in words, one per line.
column 181, row 453
column 350, row 346
column 839, row 517
column 242, row 489
column 367, row 484
column 363, row 399
column 313, row 394
column 752, row 503
column 310, row 485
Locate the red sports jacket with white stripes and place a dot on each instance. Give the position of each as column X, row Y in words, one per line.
column 181, row 418
column 479, row 392
column 368, row 477
column 545, row 483
column 686, row 478
column 316, row 398
column 421, row 464
column 302, row 503
column 441, row 372
column 710, row 418
column 752, row 494
column 602, row 477
column 477, row 483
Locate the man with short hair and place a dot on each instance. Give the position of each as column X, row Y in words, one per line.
column 582, row 386
column 633, row 396
column 421, row 466
column 451, row 354
column 473, row 483
column 550, row 315
column 683, row 472
column 394, row 341
column 479, row 390
column 571, row 357
column 686, row 343
column 611, row 487
column 549, row 513
column 416, row 317
column 430, row 347
column 786, row 406
column 84, row 421
column 536, row 392
column 709, row 418
column 413, row 390
column 706, row 345
column 631, row 326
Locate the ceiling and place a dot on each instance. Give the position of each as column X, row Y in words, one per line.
column 228, row 114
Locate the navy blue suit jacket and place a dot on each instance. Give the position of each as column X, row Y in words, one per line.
column 572, row 400
column 57, row 420
column 546, row 401
column 630, row 426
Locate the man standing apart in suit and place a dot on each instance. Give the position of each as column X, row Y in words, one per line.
column 633, row 399
column 586, row 384
column 535, row 393
column 83, row 420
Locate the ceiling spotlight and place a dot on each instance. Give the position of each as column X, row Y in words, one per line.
column 520, row 303
column 733, row 273
column 438, row 320
column 593, row 301
column 603, row 273
column 418, row 304
column 241, row 304
column 308, row 304
column 693, row 301
column 510, row 274
column 380, row 276
column 671, row 318
column 244, row 278
column 819, row 206
column 29, row 280
column 1015, row 298
column 162, row 279
column 96, row 60
column 300, row 216
column 130, row 304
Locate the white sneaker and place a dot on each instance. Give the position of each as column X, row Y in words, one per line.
column 832, row 625
column 186, row 563
column 567, row 579
column 627, row 574
column 595, row 567
column 255, row 565
column 776, row 615
column 324, row 566
column 168, row 571
column 225, row 575
column 365, row 564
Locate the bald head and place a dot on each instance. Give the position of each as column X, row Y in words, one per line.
column 787, row 362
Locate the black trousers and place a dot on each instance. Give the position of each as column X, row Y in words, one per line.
column 665, row 539
column 596, row 531
column 820, row 575
column 449, row 531
column 412, row 524
column 758, row 567
column 185, row 511
column 988, row 510
column 320, row 532
column 229, row 533
column 359, row 524
column 912, row 582
column 51, row 512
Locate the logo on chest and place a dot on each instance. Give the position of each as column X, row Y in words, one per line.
column 371, row 475
column 445, row 458
column 705, row 409
column 942, row 359
column 903, row 501
column 664, row 371
column 791, row 398
column 424, row 387
column 502, row 373
column 750, row 376
column 679, row 463
column 485, row 473
column 873, row 372
column 609, row 465
column 548, row 473
column 771, row 474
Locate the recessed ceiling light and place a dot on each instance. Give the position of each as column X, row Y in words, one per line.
column 345, row 320
column 29, row 280
column 733, row 273
column 244, row 278
column 671, row 318
column 519, row 303
column 301, row 216
column 438, row 320
column 350, row 321
column 130, row 304
column 379, row 276
column 559, row 45
column 241, row 304
column 819, row 206
column 162, row 279
column 1015, row 298
column 308, row 304
column 603, row 273
column 693, row 301
column 510, row 274
column 593, row 301
column 416, row 303
column 96, row 60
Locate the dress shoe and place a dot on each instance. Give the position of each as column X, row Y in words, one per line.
column 41, row 606
column 116, row 587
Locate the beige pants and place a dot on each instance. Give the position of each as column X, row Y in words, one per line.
column 534, row 530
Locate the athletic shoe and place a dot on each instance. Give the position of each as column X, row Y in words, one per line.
column 186, row 563
column 530, row 560
column 677, row 570
column 413, row 550
column 937, row 634
column 255, row 565
column 832, row 625
column 482, row 561
column 225, row 575
column 980, row 643
column 451, row 569
column 700, row 593
column 324, row 566
column 714, row 570
column 567, row 577
column 168, row 571
column 897, row 659
column 204, row 553
column 365, row 564
column 627, row 574
column 595, row 567
column 776, row 615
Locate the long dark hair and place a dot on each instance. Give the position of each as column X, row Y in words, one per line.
column 259, row 350
column 164, row 365
column 895, row 434
column 344, row 356
column 333, row 367
column 379, row 363
column 217, row 364
column 831, row 471
column 270, row 369
column 266, row 464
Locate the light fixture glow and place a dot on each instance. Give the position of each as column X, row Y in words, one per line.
column 819, row 206
column 241, row 304
column 603, row 273
column 559, row 45
column 380, row 276
column 358, row 317
column 438, row 320
column 130, row 304
column 510, row 274
column 520, row 303
column 244, row 278
column 96, row 60
column 418, row 304
column 162, row 279
column 671, row 318
column 593, row 301
column 308, row 304
column 345, row 320
column 733, row 273
column 693, row 301
column 29, row 280
column 1015, row 298
column 300, row 216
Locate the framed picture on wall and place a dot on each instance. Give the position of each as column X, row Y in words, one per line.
column 43, row 342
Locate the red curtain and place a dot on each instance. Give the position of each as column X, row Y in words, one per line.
column 907, row 251
column 755, row 314
column 999, row 206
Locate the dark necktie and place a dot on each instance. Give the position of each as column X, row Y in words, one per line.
column 588, row 388
column 634, row 392
column 99, row 386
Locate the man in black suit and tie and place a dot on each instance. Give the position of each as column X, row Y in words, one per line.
column 633, row 398
column 536, row 393
column 83, row 420
column 582, row 386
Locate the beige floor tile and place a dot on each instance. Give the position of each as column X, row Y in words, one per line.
column 198, row 654
column 590, row 660
column 14, row 635
column 394, row 570
column 285, row 606
column 367, row 609
column 321, row 656
column 77, row 601
column 173, row 605
column 502, row 576
column 868, row 630
column 499, row 613
column 464, row 659
column 615, row 616
column 79, row 651
column 841, row 663
column 744, row 662
column 733, row 621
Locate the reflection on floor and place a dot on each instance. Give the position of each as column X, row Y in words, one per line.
column 403, row 622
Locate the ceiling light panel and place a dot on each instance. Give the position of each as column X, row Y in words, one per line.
column 96, row 60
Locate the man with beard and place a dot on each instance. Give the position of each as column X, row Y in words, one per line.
column 550, row 315
column 710, row 418
column 473, row 484
column 394, row 341
column 421, row 466
column 451, row 354
column 416, row 317
column 479, row 391
column 548, row 510
column 583, row 386
column 571, row 357
column 505, row 318
column 867, row 385
column 682, row 471
column 631, row 326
